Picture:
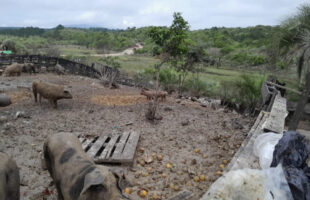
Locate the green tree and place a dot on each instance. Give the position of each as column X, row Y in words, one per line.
column 171, row 44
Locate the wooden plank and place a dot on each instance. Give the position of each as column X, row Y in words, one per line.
column 97, row 146
column 117, row 155
column 283, row 87
column 82, row 139
column 86, row 143
column 105, row 154
column 183, row 195
column 130, row 148
column 278, row 113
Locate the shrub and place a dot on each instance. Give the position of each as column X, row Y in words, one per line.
column 168, row 79
column 282, row 64
column 226, row 50
column 256, row 60
column 240, row 58
column 197, row 87
column 249, row 87
column 246, row 91
column 141, row 51
column 246, row 58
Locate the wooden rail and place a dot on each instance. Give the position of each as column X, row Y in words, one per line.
column 71, row 67
column 286, row 88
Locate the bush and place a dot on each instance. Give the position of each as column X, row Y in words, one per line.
column 246, row 91
column 249, row 87
column 282, row 64
column 256, row 60
column 245, row 58
column 168, row 79
column 240, row 58
column 197, row 87
column 141, row 51
column 226, row 50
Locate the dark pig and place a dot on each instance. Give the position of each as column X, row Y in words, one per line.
column 75, row 174
column 9, row 178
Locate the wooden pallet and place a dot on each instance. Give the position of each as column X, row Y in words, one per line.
column 113, row 148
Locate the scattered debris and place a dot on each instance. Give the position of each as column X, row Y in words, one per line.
column 185, row 123
column 21, row 114
column 167, row 108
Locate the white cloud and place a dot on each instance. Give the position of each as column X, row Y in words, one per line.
column 123, row 13
column 87, row 16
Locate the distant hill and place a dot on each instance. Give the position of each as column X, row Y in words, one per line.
column 91, row 27
column 21, row 31
column 9, row 28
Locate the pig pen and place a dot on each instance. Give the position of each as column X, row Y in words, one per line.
column 187, row 150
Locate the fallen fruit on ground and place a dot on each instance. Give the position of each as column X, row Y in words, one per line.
column 128, row 190
column 142, row 193
column 202, row 178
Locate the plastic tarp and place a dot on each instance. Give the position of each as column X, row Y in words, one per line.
column 292, row 152
column 8, row 52
column 249, row 184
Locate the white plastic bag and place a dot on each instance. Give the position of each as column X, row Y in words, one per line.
column 264, row 146
column 276, row 185
column 249, row 184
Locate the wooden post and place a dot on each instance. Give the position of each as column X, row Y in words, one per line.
column 301, row 105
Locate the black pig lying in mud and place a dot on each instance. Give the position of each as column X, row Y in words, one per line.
column 76, row 176
column 49, row 91
column 9, row 178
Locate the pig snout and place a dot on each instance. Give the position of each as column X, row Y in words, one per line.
column 67, row 94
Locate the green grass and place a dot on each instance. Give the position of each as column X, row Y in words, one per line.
column 75, row 50
column 135, row 63
column 132, row 64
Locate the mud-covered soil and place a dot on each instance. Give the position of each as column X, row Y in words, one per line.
column 194, row 140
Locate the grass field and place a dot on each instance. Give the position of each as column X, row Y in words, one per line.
column 132, row 64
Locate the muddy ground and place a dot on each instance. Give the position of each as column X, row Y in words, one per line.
column 194, row 140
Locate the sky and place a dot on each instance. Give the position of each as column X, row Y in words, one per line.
column 138, row 13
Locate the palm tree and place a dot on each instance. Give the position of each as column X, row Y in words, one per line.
column 295, row 41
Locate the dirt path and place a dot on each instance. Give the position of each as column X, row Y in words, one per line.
column 194, row 140
column 128, row 51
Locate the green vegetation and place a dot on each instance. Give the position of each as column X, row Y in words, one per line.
column 218, row 62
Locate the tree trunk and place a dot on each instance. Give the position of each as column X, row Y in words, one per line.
column 150, row 114
column 179, row 87
column 301, row 105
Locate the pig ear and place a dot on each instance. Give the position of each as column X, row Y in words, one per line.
column 121, row 180
column 91, row 179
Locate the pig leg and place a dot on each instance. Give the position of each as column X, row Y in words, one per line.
column 34, row 90
column 13, row 182
column 40, row 97
column 49, row 160
column 55, row 103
